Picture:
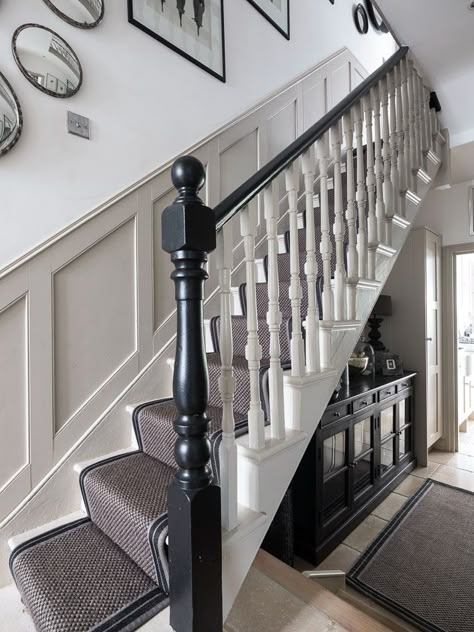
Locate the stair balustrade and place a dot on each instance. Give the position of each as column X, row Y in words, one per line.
column 359, row 161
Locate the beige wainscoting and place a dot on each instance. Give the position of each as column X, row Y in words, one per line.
column 85, row 314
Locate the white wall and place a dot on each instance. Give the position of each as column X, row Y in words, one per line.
column 146, row 103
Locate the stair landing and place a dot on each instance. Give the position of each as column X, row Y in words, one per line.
column 277, row 598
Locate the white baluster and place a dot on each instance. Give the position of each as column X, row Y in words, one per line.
column 379, row 204
column 361, row 195
column 274, row 319
column 416, row 107
column 423, row 131
column 296, row 292
column 311, row 267
column 412, row 183
column 387, row 164
column 402, row 188
column 228, row 448
column 394, row 208
column 372, row 217
column 405, row 177
column 340, row 271
column 322, row 147
column 253, row 350
column 352, row 256
column 429, row 118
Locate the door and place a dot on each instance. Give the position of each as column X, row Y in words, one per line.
column 433, row 337
column 333, row 448
column 362, row 456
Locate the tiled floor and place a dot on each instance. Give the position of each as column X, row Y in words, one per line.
column 454, row 469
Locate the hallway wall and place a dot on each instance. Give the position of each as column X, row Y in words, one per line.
column 146, row 104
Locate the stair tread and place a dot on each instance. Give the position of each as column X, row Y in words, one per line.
column 155, row 432
column 75, row 578
column 126, row 497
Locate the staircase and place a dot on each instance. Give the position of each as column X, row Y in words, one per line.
column 182, row 517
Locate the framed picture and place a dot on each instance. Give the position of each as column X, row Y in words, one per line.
column 277, row 12
column 193, row 29
column 471, row 209
column 391, row 364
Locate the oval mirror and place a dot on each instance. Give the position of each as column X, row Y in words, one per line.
column 85, row 14
column 11, row 120
column 46, row 60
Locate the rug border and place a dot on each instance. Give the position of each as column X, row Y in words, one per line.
column 366, row 556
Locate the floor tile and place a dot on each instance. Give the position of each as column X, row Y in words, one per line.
column 454, row 476
column 266, row 606
column 390, row 506
column 409, row 486
column 440, row 457
column 13, row 614
column 465, row 447
column 426, row 472
column 462, row 462
column 341, row 559
column 367, row 531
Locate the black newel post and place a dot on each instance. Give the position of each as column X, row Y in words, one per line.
column 195, row 548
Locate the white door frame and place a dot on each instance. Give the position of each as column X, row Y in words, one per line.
column 449, row 440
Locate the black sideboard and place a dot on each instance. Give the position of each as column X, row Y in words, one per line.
column 361, row 450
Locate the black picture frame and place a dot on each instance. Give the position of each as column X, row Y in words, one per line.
column 286, row 34
column 391, row 364
column 361, row 19
column 221, row 76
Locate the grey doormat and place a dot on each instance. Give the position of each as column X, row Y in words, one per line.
column 422, row 564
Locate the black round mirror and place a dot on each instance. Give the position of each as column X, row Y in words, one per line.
column 11, row 120
column 375, row 18
column 85, row 14
column 360, row 19
column 46, row 60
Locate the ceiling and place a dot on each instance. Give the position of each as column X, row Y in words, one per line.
column 441, row 36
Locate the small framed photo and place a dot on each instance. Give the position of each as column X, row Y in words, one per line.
column 391, row 364
column 471, row 209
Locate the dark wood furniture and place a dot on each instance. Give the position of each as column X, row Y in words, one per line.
column 361, row 450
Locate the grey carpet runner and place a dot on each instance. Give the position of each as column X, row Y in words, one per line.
column 421, row 565
column 109, row 572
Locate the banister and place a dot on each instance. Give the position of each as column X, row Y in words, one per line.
column 234, row 202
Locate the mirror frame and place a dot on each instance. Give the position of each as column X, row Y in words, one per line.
column 24, row 71
column 19, row 113
column 66, row 18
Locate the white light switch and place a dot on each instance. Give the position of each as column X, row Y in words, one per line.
column 78, row 125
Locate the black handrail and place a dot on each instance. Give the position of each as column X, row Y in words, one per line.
column 234, row 202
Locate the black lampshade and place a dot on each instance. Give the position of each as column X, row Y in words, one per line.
column 383, row 306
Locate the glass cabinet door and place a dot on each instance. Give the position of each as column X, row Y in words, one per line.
column 362, row 465
column 388, row 435
column 404, row 428
column 335, row 496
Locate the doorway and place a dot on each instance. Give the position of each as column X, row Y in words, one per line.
column 458, row 348
column 464, row 264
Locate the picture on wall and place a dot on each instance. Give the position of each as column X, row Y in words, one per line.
column 277, row 12
column 192, row 28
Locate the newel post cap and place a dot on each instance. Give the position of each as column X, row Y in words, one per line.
column 188, row 224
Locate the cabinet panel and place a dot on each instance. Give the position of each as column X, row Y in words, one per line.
column 334, row 452
column 335, row 496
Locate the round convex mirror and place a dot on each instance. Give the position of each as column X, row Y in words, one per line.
column 11, row 120
column 84, row 14
column 46, row 60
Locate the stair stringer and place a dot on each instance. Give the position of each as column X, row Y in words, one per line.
column 264, row 476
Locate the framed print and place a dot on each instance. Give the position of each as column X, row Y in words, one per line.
column 192, row 28
column 277, row 12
